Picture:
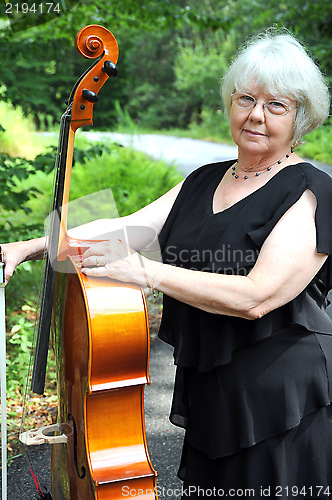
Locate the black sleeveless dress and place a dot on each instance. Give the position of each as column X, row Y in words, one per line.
column 254, row 396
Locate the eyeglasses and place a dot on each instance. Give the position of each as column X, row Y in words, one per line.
column 247, row 101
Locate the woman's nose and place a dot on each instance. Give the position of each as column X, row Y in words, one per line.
column 257, row 112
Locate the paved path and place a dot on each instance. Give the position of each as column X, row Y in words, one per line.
column 164, row 439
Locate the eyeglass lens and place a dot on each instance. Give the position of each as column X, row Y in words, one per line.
column 272, row 107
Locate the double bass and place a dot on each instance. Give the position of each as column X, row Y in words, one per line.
column 100, row 335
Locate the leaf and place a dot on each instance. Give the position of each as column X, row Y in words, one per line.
column 15, row 328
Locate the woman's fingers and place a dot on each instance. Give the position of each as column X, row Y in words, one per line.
column 95, row 271
column 94, row 261
column 101, row 254
column 129, row 269
column 96, row 249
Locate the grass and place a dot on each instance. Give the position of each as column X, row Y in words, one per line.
column 17, row 136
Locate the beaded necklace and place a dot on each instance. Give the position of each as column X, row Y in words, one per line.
column 257, row 174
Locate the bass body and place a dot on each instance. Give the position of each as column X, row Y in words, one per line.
column 101, row 340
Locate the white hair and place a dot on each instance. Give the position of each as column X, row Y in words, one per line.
column 277, row 63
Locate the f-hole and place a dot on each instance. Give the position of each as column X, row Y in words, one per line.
column 83, row 471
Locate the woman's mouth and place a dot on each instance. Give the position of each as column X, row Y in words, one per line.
column 253, row 133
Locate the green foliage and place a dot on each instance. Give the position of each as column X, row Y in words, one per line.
column 317, row 145
column 15, row 198
column 149, row 94
column 310, row 21
column 198, row 68
column 27, row 184
column 21, row 332
column 49, row 69
column 32, row 14
column 16, row 138
column 12, row 171
column 151, row 14
column 125, row 123
column 36, row 63
column 24, row 287
column 45, row 60
column 211, row 126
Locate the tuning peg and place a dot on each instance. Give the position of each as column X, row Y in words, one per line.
column 89, row 95
column 110, row 69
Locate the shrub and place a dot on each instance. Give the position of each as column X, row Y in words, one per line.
column 212, row 126
column 134, row 178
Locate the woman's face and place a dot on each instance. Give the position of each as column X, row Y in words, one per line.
column 258, row 133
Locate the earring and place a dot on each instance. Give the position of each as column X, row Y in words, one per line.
column 294, row 146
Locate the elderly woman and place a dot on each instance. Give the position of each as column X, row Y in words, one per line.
column 246, row 269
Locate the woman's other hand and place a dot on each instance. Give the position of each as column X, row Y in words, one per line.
column 116, row 260
column 15, row 253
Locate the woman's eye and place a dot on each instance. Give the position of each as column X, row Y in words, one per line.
column 277, row 106
column 246, row 99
